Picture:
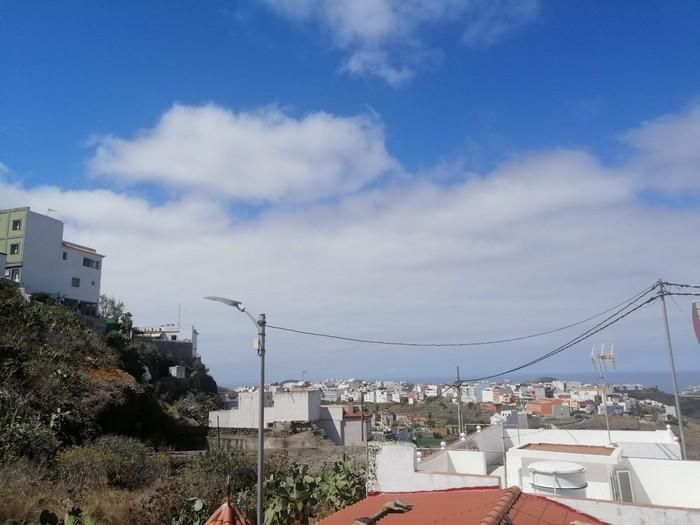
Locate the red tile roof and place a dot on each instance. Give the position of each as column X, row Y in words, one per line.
column 463, row 507
column 228, row 515
column 355, row 412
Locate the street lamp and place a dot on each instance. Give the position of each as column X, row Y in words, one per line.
column 260, row 325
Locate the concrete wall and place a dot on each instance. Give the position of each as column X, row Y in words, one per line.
column 303, row 405
column 627, row 514
column 467, row 462
column 662, row 482
column 286, row 406
column 637, row 443
column 353, row 433
column 42, row 267
column 395, row 471
column 331, row 422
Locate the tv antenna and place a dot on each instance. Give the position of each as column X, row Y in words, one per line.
column 603, row 357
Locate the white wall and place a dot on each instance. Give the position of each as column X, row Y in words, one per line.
column 287, row 407
column 331, row 421
column 73, row 267
column 396, row 472
column 467, row 462
column 634, row 443
column 663, row 482
column 352, row 431
column 627, row 514
column 41, row 262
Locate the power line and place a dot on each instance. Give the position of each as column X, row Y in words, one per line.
column 585, row 335
column 683, row 285
column 635, row 298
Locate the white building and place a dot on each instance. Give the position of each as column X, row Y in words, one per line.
column 330, row 395
column 41, row 261
column 639, row 467
column 433, row 390
column 171, row 339
column 381, row 396
column 399, row 468
column 282, row 406
column 345, row 425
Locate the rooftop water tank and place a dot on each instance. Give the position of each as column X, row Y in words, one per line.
column 558, row 477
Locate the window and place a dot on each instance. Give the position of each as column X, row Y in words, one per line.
column 75, row 282
column 622, row 486
column 17, row 225
column 14, row 274
column 65, row 256
column 14, row 249
column 93, row 283
column 91, row 263
column 173, row 338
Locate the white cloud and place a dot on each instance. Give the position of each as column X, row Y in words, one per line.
column 263, row 155
column 536, row 243
column 668, row 150
column 382, row 38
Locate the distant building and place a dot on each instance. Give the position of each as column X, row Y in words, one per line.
column 293, row 406
column 515, row 419
column 177, row 371
column 613, row 409
column 169, row 339
column 433, row 390
column 330, row 395
column 342, row 424
column 40, row 260
column 345, row 424
column 549, row 408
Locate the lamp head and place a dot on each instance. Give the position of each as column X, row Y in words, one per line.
column 228, row 302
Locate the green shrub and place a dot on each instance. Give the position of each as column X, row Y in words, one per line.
column 115, row 461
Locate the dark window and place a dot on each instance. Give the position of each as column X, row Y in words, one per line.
column 14, row 274
column 14, row 249
column 75, row 282
column 173, row 338
column 65, row 256
column 91, row 263
column 93, row 283
column 16, row 225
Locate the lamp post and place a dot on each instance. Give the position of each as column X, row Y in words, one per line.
column 260, row 326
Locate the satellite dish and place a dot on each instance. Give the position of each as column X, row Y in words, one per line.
column 696, row 319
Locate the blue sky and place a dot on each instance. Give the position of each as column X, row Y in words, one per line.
column 419, row 97
column 576, row 75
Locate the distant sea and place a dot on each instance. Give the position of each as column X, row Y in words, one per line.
column 660, row 379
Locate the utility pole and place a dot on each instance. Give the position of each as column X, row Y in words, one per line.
column 261, row 418
column 679, row 416
column 459, row 405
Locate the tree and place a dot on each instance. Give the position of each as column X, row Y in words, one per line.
column 115, row 310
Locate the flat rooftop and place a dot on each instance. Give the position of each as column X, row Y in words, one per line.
column 595, row 450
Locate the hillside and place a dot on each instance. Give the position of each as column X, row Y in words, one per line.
column 63, row 384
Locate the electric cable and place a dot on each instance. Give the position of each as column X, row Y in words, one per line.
column 682, row 285
column 635, row 298
column 587, row 334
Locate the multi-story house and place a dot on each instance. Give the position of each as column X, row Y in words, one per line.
column 41, row 261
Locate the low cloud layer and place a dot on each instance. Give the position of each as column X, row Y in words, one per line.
column 381, row 39
column 541, row 241
column 263, row 155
